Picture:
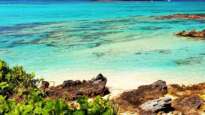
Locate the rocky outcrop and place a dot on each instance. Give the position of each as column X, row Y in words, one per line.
column 44, row 85
column 182, row 90
column 189, row 105
column 133, row 99
column 189, row 99
column 156, row 105
column 183, row 16
column 160, row 99
column 193, row 34
column 71, row 90
column 157, row 98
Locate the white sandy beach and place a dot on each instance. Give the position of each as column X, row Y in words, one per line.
column 120, row 81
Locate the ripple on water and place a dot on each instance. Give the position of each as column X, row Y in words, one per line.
column 134, row 41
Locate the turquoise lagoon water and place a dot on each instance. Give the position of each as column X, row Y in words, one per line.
column 94, row 36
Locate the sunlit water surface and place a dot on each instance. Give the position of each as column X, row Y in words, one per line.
column 115, row 36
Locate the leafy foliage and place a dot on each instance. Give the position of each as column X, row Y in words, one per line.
column 19, row 95
column 35, row 104
column 15, row 80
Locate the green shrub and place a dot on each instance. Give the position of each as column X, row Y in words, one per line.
column 15, row 80
column 19, row 95
column 98, row 106
column 43, row 106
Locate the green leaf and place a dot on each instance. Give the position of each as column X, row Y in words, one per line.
column 83, row 101
column 4, row 85
column 108, row 112
column 1, row 64
column 78, row 112
column 27, row 109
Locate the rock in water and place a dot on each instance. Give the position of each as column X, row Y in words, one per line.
column 157, row 105
column 183, row 16
column 200, row 35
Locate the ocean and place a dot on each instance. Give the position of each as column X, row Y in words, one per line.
column 103, row 36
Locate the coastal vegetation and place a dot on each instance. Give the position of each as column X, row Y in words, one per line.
column 23, row 94
column 20, row 94
column 130, row 42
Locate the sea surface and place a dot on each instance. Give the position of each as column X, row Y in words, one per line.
column 103, row 36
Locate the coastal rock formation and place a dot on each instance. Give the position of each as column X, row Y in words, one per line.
column 157, row 98
column 183, row 16
column 181, row 91
column 71, row 90
column 157, row 105
column 160, row 99
column 194, row 34
column 188, row 105
column 44, row 85
column 133, row 99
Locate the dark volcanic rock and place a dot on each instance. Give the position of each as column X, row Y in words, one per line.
column 183, row 16
column 133, row 99
column 189, row 105
column 99, row 78
column 69, row 83
column 71, row 90
column 193, row 34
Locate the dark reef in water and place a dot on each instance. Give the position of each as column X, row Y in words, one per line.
column 199, row 35
column 183, row 16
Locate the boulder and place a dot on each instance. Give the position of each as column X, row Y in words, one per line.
column 189, row 105
column 99, row 78
column 71, row 90
column 151, row 100
column 134, row 98
column 44, row 85
column 156, row 105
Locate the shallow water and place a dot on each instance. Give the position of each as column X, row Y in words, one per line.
column 116, row 36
